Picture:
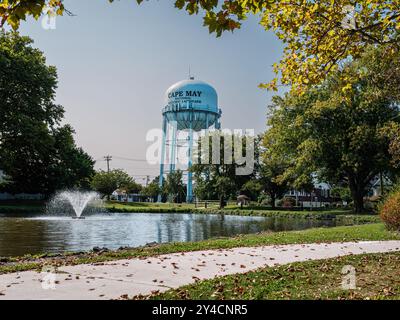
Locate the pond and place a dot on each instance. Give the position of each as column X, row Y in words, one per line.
column 39, row 234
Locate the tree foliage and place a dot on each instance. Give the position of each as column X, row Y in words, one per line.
column 13, row 11
column 216, row 168
column 340, row 135
column 107, row 182
column 317, row 35
column 270, row 179
column 174, row 186
column 37, row 154
column 152, row 190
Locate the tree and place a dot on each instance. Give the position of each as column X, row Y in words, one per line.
column 341, row 192
column 133, row 187
column 252, row 189
column 152, row 190
column 218, row 168
column 339, row 135
column 70, row 166
column 271, row 180
column 318, row 35
column 13, row 11
column 224, row 187
column 37, row 154
column 174, row 186
column 107, row 182
column 393, row 132
column 395, row 149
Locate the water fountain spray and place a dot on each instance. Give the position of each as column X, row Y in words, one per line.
column 78, row 200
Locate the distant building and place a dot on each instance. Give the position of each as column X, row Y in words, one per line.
column 122, row 196
column 320, row 197
column 376, row 185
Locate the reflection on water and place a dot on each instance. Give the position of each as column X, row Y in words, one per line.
column 37, row 234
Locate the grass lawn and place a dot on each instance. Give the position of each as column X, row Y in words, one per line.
column 147, row 207
column 337, row 234
column 377, row 277
column 140, row 207
column 188, row 207
column 340, row 214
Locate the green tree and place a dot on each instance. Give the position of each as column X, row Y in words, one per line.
column 107, row 182
column 339, row 136
column 174, row 186
column 252, row 188
column 152, row 190
column 70, row 166
column 342, row 192
column 133, row 187
column 271, row 181
column 224, row 187
column 217, row 172
column 37, row 154
column 317, row 35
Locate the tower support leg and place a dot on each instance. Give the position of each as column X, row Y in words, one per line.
column 189, row 191
column 173, row 146
column 164, row 137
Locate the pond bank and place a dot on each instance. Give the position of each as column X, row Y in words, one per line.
column 367, row 232
column 342, row 215
column 117, row 207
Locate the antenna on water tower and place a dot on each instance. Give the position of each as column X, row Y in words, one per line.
column 190, row 74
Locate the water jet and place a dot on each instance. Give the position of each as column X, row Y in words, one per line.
column 78, row 200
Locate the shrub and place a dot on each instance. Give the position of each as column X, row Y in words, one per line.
column 288, row 202
column 390, row 210
column 264, row 199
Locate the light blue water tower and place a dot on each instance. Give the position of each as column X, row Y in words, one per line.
column 191, row 105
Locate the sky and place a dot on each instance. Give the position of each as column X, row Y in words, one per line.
column 115, row 62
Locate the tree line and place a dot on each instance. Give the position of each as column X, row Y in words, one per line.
column 339, row 123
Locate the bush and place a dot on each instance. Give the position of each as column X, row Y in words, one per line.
column 264, row 199
column 390, row 211
column 287, row 202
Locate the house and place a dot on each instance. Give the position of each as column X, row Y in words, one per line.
column 319, row 197
column 376, row 185
column 122, row 196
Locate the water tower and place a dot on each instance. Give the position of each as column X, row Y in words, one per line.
column 191, row 105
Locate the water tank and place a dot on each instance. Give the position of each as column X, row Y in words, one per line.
column 193, row 104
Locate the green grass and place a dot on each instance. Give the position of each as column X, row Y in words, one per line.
column 148, row 207
column 339, row 214
column 336, row 234
column 112, row 206
column 377, row 277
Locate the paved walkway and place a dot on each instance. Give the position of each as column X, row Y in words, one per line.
column 112, row 280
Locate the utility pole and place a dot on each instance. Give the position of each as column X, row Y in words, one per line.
column 108, row 159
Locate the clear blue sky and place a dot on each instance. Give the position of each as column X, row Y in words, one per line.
column 115, row 62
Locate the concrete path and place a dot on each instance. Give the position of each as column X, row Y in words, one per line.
column 112, row 280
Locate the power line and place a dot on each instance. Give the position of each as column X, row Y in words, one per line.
column 130, row 159
column 108, row 159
